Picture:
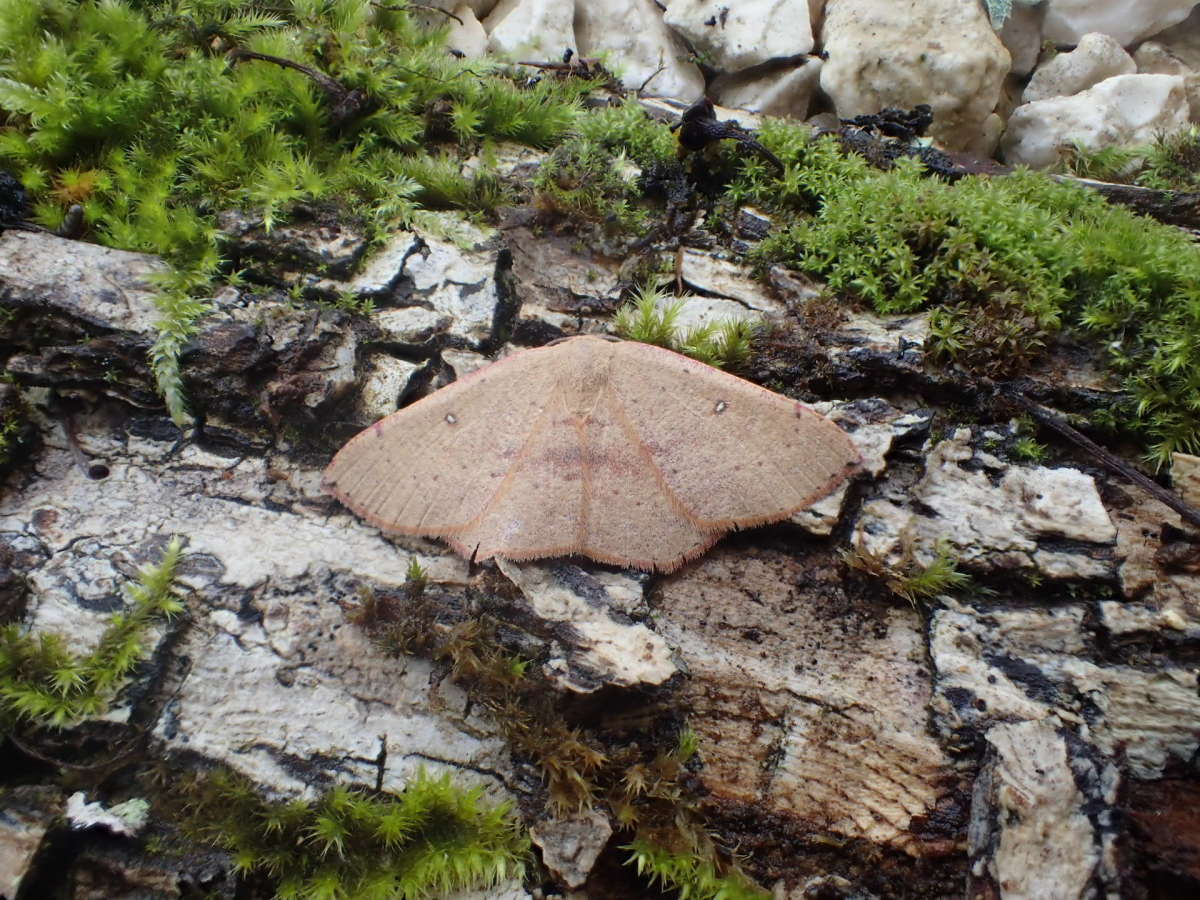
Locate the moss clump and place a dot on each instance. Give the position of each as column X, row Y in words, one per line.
column 154, row 116
column 596, row 175
column 652, row 318
column 428, row 841
column 43, row 683
column 1038, row 256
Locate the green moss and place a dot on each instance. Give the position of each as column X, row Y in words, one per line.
column 137, row 113
column 909, row 579
column 652, row 318
column 43, row 683
column 584, row 182
column 1014, row 261
column 1169, row 163
column 692, row 875
column 596, row 175
column 428, row 841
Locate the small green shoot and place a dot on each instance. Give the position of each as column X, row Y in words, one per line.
column 415, row 577
column 1029, row 448
column 651, row 317
column 687, row 746
column 351, row 302
column 1171, row 162
column 909, row 579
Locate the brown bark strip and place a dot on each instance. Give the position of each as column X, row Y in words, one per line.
column 1172, row 207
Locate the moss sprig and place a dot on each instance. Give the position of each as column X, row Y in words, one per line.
column 44, row 683
column 1171, row 162
column 693, row 876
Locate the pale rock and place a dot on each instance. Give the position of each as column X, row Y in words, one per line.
column 384, row 380
column 1021, row 34
column 866, row 334
column 720, row 278
column 874, row 425
column 570, row 845
column 126, row 819
column 506, row 159
column 806, row 702
column 26, row 814
column 899, row 53
column 771, row 91
column 384, row 267
column 1129, row 21
column 468, row 37
column 458, row 283
column 464, row 362
column 560, row 283
column 274, row 695
column 736, row 36
column 1182, row 41
column 508, row 890
column 277, row 684
column 1119, row 111
column 589, row 613
column 1153, row 58
column 1158, row 595
column 83, row 283
column 639, row 47
column 531, row 29
column 1150, row 718
column 1096, row 58
column 1185, row 476
column 1036, row 782
column 698, row 311
column 996, row 666
column 411, row 324
column 991, row 515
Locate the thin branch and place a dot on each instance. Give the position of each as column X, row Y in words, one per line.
column 662, row 67
column 1109, row 460
column 1180, row 208
column 344, row 102
column 407, row 6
